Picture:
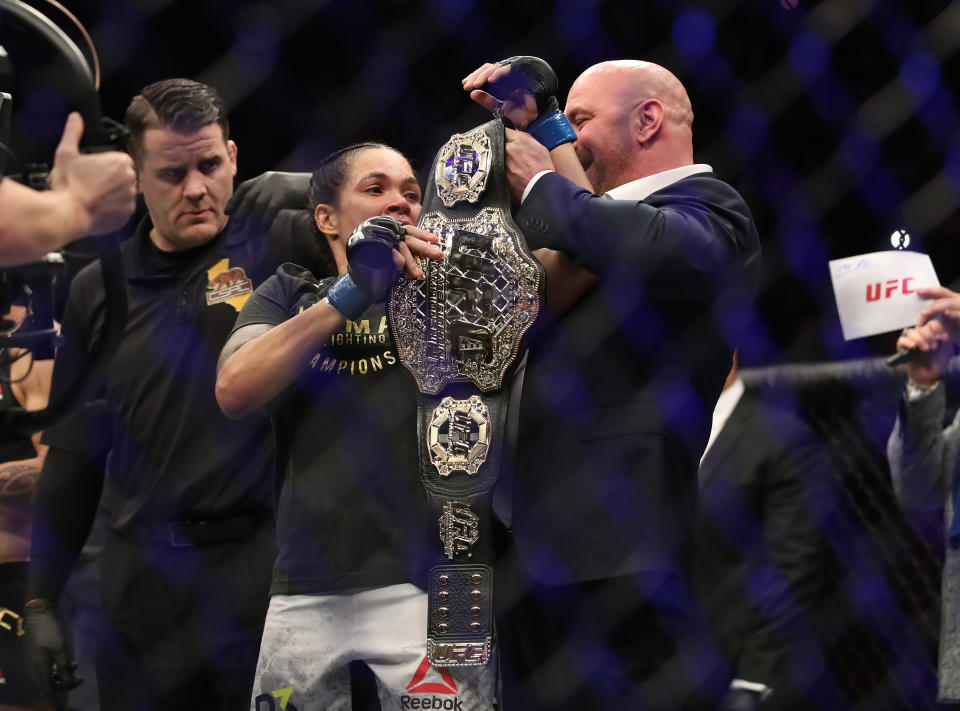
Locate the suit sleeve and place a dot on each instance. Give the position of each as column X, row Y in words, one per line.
column 922, row 453
column 690, row 232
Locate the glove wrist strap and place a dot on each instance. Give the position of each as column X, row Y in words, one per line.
column 348, row 298
column 552, row 130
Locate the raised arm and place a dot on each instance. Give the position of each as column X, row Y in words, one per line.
column 259, row 361
column 522, row 90
column 921, row 452
column 269, row 349
column 697, row 224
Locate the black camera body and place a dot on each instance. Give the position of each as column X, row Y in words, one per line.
column 35, row 286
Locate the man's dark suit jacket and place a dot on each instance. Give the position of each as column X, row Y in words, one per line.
column 618, row 395
column 760, row 557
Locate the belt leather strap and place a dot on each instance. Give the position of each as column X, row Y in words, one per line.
column 459, row 333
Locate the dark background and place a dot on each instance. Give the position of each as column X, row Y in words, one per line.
column 837, row 120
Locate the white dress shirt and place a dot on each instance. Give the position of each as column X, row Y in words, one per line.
column 721, row 412
column 642, row 187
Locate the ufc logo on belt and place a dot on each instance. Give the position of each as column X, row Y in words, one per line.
column 460, row 653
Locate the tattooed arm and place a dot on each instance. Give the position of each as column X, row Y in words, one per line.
column 18, row 479
column 18, row 482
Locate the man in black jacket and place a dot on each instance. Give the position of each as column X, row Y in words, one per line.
column 187, row 564
column 616, row 406
column 761, row 561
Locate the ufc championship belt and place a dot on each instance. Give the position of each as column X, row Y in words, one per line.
column 458, row 331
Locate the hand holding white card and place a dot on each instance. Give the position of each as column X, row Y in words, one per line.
column 876, row 292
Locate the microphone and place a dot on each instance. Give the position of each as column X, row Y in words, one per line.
column 908, row 355
column 904, row 355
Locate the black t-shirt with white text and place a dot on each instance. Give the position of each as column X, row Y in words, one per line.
column 350, row 508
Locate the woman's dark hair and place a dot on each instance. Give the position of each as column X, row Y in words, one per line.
column 326, row 182
column 330, row 174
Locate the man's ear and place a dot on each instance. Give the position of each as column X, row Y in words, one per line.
column 326, row 218
column 137, row 167
column 647, row 119
column 232, row 154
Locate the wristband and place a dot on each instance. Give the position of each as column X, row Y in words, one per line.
column 917, row 391
column 552, row 130
column 348, row 298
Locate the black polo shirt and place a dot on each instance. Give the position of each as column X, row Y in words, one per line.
column 173, row 454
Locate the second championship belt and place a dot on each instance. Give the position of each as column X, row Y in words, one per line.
column 458, row 331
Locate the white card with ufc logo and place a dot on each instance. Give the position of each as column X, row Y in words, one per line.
column 877, row 292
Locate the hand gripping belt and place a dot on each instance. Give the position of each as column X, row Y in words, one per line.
column 458, row 331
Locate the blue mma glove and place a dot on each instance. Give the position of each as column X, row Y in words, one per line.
column 371, row 267
column 534, row 76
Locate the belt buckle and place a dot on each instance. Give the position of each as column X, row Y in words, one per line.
column 178, row 535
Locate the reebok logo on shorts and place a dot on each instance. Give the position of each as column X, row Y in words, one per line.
column 431, row 702
column 419, row 685
column 440, row 682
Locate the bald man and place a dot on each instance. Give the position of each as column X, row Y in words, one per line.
column 594, row 606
